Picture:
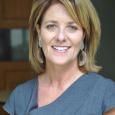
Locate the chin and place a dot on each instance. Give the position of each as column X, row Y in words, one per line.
column 60, row 62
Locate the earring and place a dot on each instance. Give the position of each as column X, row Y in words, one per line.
column 40, row 53
column 82, row 58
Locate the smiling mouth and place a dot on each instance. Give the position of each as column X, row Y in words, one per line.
column 61, row 48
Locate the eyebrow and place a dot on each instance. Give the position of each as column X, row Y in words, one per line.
column 71, row 23
column 50, row 21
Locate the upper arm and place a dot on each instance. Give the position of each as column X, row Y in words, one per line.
column 109, row 99
column 19, row 98
column 16, row 101
column 9, row 106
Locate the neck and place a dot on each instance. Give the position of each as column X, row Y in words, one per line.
column 59, row 76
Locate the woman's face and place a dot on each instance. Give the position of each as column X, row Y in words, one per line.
column 61, row 37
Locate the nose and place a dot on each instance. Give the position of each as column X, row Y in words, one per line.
column 61, row 35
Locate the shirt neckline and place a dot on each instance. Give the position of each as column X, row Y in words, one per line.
column 64, row 94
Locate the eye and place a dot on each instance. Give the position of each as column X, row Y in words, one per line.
column 51, row 26
column 72, row 28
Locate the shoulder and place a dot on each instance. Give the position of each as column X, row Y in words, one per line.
column 100, row 79
column 102, row 84
column 103, row 89
column 98, row 84
column 24, row 90
column 20, row 96
column 28, row 85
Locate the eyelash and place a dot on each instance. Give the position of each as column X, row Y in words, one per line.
column 50, row 26
column 72, row 27
column 69, row 27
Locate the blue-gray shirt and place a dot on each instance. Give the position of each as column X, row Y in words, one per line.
column 91, row 94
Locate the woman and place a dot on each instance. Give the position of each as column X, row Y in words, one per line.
column 64, row 37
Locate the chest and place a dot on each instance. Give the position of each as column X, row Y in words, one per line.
column 48, row 95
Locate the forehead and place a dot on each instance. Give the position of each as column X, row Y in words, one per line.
column 57, row 12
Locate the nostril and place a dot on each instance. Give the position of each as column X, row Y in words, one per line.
column 61, row 36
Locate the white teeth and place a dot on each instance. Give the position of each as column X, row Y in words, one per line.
column 60, row 48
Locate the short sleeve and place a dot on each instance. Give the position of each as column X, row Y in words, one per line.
column 9, row 106
column 18, row 101
column 109, row 96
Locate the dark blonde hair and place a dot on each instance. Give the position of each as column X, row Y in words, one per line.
column 83, row 13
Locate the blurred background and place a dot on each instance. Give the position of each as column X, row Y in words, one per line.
column 14, row 66
column 106, row 52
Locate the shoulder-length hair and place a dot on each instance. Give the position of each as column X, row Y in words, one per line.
column 83, row 13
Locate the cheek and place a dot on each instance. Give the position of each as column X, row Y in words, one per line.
column 76, row 47
column 45, row 39
column 76, row 36
column 47, row 36
column 46, row 42
column 77, row 41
